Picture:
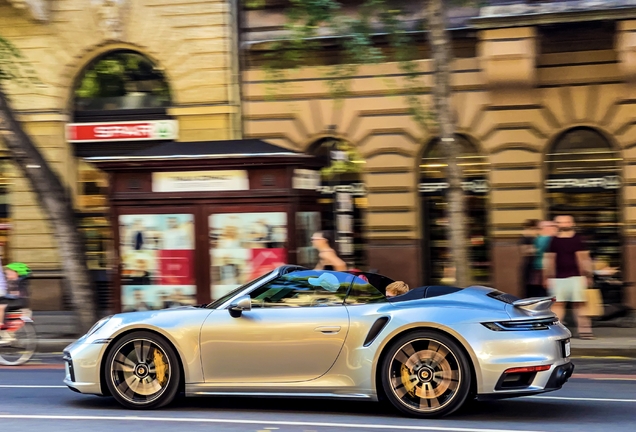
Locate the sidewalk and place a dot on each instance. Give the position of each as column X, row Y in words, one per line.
column 609, row 342
column 56, row 330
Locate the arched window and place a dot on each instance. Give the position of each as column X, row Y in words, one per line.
column 437, row 260
column 583, row 180
column 344, row 198
column 121, row 80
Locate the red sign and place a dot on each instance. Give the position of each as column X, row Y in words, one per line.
column 122, row 131
column 176, row 267
column 266, row 260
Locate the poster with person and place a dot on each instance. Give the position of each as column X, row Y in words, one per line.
column 244, row 246
column 157, row 256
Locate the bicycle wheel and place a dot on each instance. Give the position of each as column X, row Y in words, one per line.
column 21, row 348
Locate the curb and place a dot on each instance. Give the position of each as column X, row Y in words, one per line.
column 629, row 352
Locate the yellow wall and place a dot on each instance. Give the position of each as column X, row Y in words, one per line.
column 512, row 100
column 190, row 39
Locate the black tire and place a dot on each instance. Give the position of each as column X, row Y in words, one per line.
column 430, row 364
column 146, row 360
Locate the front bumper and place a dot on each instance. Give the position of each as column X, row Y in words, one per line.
column 83, row 363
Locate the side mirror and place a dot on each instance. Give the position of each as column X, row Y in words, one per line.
column 242, row 304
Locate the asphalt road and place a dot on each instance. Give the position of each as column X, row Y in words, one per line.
column 601, row 397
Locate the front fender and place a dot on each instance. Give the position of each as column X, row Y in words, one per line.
column 181, row 328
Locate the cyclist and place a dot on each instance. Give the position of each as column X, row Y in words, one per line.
column 13, row 290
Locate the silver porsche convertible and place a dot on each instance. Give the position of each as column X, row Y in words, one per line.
column 321, row 334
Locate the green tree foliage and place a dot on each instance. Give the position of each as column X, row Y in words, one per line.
column 117, row 73
column 374, row 35
column 13, row 65
column 377, row 34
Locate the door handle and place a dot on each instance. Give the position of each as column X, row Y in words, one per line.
column 328, row 329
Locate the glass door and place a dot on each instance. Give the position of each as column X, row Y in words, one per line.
column 244, row 246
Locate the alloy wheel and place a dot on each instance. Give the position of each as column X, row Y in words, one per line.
column 425, row 375
column 140, row 371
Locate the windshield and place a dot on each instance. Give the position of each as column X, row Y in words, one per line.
column 215, row 304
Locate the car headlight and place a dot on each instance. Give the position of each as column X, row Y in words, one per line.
column 99, row 324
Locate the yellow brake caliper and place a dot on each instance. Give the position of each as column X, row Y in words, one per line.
column 160, row 367
column 409, row 385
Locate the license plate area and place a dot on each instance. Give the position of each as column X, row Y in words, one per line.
column 565, row 348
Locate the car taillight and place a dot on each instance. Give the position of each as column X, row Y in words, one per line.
column 528, row 369
column 525, row 325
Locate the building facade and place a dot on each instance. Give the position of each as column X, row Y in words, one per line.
column 178, row 59
column 544, row 103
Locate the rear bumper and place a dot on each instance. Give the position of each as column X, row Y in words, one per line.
column 559, row 376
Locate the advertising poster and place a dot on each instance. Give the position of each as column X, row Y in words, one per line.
column 244, row 246
column 157, row 257
column 307, row 223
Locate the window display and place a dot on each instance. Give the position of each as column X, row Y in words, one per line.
column 157, row 256
column 243, row 246
column 584, row 181
column 343, row 198
column 438, row 268
column 307, row 223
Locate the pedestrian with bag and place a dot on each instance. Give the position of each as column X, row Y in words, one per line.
column 568, row 273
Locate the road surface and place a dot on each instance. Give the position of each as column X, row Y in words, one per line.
column 601, row 397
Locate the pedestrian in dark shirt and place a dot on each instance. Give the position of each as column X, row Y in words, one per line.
column 567, row 272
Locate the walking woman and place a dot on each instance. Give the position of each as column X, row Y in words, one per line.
column 328, row 259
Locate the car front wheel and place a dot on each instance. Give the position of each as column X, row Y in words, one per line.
column 426, row 374
column 142, row 371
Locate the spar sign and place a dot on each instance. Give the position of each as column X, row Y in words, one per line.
column 122, row 131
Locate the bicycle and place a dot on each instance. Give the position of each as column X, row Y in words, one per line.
column 18, row 339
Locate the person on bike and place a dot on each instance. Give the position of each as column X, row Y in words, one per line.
column 13, row 288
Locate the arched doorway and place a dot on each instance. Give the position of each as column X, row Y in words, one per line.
column 583, row 180
column 118, row 99
column 343, row 198
column 432, row 188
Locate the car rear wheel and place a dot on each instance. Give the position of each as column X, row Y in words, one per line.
column 426, row 374
column 142, row 371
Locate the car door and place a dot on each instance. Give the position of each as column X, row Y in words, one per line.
column 294, row 331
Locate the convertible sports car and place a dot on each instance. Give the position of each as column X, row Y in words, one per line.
column 305, row 333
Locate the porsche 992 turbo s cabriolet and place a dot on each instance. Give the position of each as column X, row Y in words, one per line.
column 322, row 334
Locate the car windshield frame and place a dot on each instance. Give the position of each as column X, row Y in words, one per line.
column 225, row 301
column 217, row 304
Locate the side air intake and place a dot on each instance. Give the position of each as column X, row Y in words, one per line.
column 375, row 330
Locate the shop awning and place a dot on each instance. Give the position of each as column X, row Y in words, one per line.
column 198, row 150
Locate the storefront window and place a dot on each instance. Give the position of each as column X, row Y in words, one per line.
column 157, row 261
column 307, row 223
column 244, row 246
column 344, row 198
column 5, row 211
column 121, row 80
column 583, row 180
column 92, row 205
column 437, row 259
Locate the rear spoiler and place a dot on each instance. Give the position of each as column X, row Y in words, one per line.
column 535, row 304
